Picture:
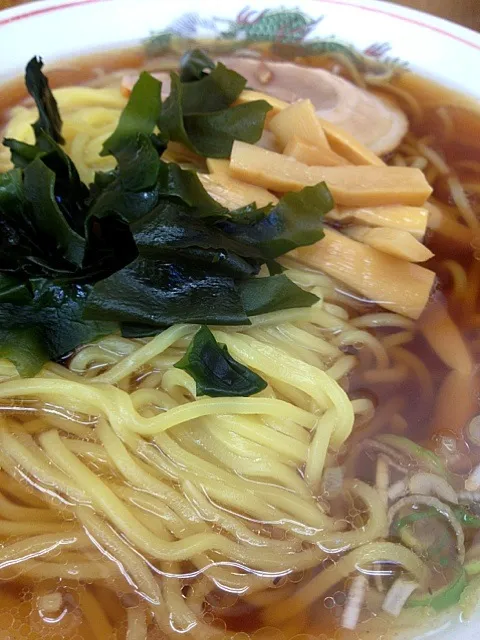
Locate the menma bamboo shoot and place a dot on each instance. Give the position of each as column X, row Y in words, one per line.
column 233, row 194
column 298, row 119
column 218, row 166
column 353, row 186
column 308, row 154
column 392, row 241
column 401, row 217
column 394, row 284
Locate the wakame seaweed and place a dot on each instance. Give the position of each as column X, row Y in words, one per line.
column 200, row 115
column 144, row 246
column 215, row 372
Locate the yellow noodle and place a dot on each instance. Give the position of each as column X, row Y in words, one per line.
column 386, row 376
column 462, row 202
column 416, row 365
column 419, row 163
column 173, row 522
column 399, row 160
column 71, row 426
column 336, row 311
column 367, row 554
column 248, row 428
column 305, row 511
column 90, row 356
column 182, row 619
column 447, row 121
column 342, row 368
column 382, row 417
column 136, row 623
column 271, row 596
column 145, row 353
column 95, row 616
column 129, row 563
column 176, row 382
column 105, row 500
column 296, row 373
column 181, row 529
column 431, row 174
column 231, row 524
column 362, row 405
column 259, row 467
column 459, row 277
column 9, row 528
column 89, row 450
column 363, row 338
column 78, row 571
column 19, row 490
column 317, row 451
column 89, row 116
column 435, row 158
column 349, row 66
column 40, row 545
column 306, row 339
column 15, row 512
column 272, row 336
column 383, row 320
column 136, row 475
column 397, row 339
column 288, row 428
column 407, row 99
column 35, row 464
column 117, row 404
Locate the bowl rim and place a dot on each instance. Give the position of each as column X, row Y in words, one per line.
column 428, row 45
column 441, row 26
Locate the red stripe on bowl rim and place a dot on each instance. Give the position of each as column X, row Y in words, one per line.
column 409, row 20
column 30, row 13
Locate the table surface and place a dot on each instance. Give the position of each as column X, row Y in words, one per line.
column 466, row 12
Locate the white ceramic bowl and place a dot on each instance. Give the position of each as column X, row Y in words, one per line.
column 57, row 29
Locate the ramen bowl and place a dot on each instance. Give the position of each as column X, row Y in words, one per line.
column 402, row 354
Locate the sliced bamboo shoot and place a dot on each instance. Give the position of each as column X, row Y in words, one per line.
column 354, row 186
column 392, row 241
column 233, row 194
column 394, row 284
column 218, row 166
column 180, row 153
column 411, row 219
column 308, row 154
column 298, row 119
column 446, row 340
column 250, row 96
column 348, row 146
column 268, row 141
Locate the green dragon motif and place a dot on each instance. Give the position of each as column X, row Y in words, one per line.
column 271, row 25
column 288, row 29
